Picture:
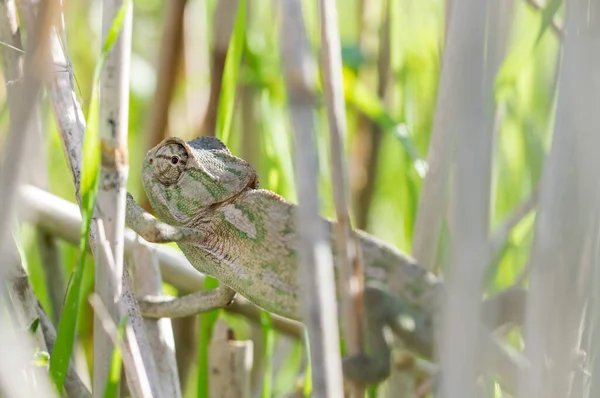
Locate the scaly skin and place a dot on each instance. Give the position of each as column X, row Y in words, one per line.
column 247, row 239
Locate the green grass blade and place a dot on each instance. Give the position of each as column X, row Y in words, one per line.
column 266, row 323
column 68, row 321
column 114, row 376
column 59, row 360
column 230, row 74
column 372, row 391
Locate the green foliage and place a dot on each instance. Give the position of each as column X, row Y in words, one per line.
column 59, row 361
column 230, row 73
column 266, row 324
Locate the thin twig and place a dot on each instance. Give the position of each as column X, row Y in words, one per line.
column 196, row 56
column 316, row 264
column 367, row 143
column 169, row 58
column 350, row 262
column 5, row 44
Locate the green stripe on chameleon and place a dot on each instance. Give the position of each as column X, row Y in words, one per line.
column 182, row 202
column 168, row 194
column 236, row 172
column 216, row 190
column 179, row 200
column 268, row 266
column 161, row 208
column 245, row 211
column 223, row 156
column 279, row 291
column 260, row 231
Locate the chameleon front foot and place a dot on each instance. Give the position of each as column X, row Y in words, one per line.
column 366, row 370
column 153, row 230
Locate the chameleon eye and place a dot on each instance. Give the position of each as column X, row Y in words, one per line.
column 169, row 163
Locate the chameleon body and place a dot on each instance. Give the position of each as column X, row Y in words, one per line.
column 247, row 239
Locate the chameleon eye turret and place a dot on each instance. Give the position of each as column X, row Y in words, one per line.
column 169, row 162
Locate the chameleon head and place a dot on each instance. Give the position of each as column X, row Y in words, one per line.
column 182, row 179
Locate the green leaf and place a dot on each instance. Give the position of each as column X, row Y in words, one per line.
column 230, row 74
column 266, row 323
column 59, row 361
column 114, row 376
column 373, row 391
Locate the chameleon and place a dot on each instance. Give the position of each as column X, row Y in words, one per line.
column 209, row 202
